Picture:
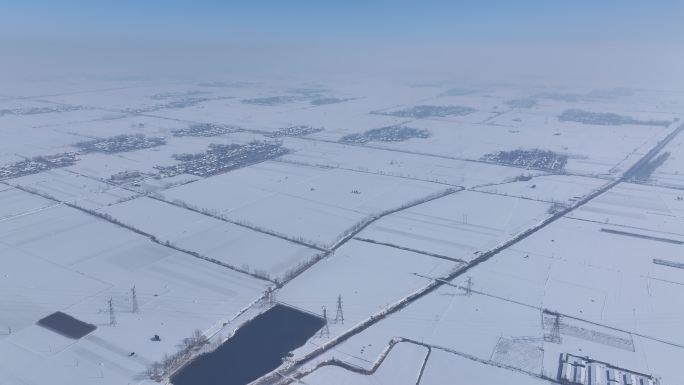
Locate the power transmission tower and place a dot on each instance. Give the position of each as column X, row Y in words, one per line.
column 134, row 301
column 469, row 286
column 269, row 298
column 112, row 316
column 339, row 315
column 554, row 336
column 325, row 331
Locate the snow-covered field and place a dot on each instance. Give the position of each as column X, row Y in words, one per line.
column 458, row 226
column 236, row 246
column 402, row 366
column 564, row 189
column 313, row 204
column 401, row 164
column 76, row 189
column 456, row 251
column 444, row 368
column 637, row 206
column 15, row 202
column 369, row 277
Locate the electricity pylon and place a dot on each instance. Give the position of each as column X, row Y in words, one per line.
column 325, row 331
column 112, row 316
column 134, row 301
column 339, row 315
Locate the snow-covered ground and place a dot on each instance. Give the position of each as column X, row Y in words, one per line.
column 401, row 230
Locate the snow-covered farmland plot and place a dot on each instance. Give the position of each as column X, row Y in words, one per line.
column 402, row 366
column 458, row 226
column 562, row 189
column 72, row 188
column 311, row 204
column 445, row 368
column 652, row 209
column 17, row 145
column 401, row 164
column 16, row 202
column 131, row 125
column 369, row 278
column 66, row 236
column 236, row 246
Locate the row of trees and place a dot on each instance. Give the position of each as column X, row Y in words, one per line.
column 169, row 363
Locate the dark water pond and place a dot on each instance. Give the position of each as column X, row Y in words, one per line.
column 256, row 348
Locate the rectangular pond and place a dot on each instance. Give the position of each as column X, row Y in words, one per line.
column 257, row 348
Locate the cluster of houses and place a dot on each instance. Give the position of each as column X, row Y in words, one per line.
column 397, row 133
column 120, row 143
column 300, row 130
column 205, row 130
column 531, row 159
column 40, row 110
column 220, row 158
column 422, row 112
column 36, row 165
column 605, row 118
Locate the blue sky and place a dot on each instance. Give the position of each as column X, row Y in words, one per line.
column 298, row 20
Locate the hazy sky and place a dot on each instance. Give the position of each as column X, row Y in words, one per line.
column 571, row 40
column 474, row 20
